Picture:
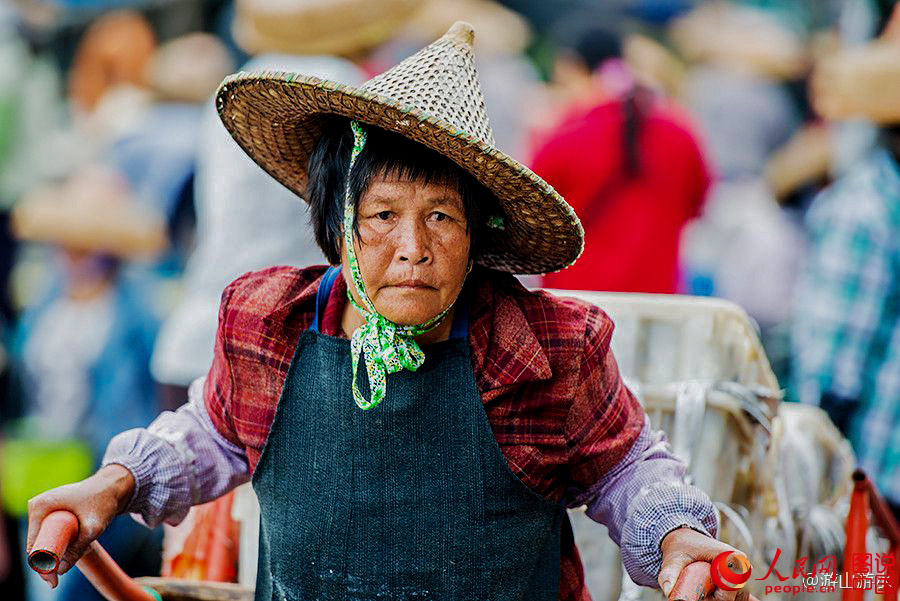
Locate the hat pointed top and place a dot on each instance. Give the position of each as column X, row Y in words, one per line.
column 440, row 80
column 462, row 32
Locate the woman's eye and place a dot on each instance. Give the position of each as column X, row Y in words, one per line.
column 383, row 215
column 438, row 216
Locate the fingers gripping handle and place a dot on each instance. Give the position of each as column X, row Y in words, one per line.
column 694, row 583
column 58, row 530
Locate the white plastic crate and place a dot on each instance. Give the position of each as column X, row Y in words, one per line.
column 660, row 339
column 699, row 369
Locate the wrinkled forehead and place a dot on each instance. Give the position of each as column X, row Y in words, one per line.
column 394, row 186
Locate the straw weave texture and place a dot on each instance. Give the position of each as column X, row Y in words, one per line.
column 433, row 98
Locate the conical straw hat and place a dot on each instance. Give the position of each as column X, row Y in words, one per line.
column 433, row 98
column 341, row 27
column 189, row 68
column 860, row 83
column 739, row 37
column 93, row 212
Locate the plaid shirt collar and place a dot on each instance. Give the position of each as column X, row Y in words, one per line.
column 496, row 323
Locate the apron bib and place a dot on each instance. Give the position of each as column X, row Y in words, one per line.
column 412, row 500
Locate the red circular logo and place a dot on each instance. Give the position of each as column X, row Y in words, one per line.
column 724, row 577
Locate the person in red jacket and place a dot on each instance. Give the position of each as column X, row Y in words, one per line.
column 632, row 169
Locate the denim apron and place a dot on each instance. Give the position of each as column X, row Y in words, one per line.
column 412, row 500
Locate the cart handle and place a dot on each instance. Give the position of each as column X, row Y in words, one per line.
column 695, row 584
column 58, row 530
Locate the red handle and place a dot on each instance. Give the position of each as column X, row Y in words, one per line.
column 109, row 579
column 57, row 531
column 695, row 584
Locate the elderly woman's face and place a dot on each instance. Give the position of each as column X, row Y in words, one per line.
column 413, row 248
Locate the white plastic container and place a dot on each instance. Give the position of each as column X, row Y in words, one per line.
column 699, row 369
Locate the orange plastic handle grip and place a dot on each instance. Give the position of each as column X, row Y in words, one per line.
column 109, row 579
column 695, row 584
column 57, row 531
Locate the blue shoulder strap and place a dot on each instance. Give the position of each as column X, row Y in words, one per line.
column 331, row 274
column 460, row 328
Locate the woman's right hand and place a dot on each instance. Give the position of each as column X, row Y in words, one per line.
column 95, row 501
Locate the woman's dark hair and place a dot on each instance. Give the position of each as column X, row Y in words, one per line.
column 385, row 154
column 636, row 105
column 594, row 45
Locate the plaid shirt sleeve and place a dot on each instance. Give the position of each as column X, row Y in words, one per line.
column 605, row 419
column 217, row 392
column 841, row 296
column 624, row 471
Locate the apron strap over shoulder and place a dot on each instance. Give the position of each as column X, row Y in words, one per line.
column 331, row 274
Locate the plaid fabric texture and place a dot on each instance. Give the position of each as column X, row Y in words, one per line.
column 846, row 323
column 566, row 423
column 550, row 385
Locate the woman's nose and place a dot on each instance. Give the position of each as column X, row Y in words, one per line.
column 412, row 245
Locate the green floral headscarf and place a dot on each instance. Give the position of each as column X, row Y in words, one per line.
column 387, row 347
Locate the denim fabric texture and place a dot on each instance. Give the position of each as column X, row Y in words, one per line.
column 410, row 500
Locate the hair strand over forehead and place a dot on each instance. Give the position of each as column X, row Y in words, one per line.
column 386, row 154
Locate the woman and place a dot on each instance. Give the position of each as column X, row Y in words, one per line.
column 424, row 436
column 628, row 163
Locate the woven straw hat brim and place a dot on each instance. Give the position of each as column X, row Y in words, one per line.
column 276, row 117
column 126, row 231
column 342, row 27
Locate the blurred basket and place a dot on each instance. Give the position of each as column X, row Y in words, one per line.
column 176, row 589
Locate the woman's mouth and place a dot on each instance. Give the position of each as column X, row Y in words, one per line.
column 412, row 284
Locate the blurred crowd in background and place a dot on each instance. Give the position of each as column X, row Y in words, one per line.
column 746, row 149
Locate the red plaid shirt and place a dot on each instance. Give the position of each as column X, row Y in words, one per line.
column 550, row 385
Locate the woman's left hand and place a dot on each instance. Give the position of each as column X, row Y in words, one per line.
column 682, row 547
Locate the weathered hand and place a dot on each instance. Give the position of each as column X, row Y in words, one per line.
column 95, row 501
column 683, row 546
